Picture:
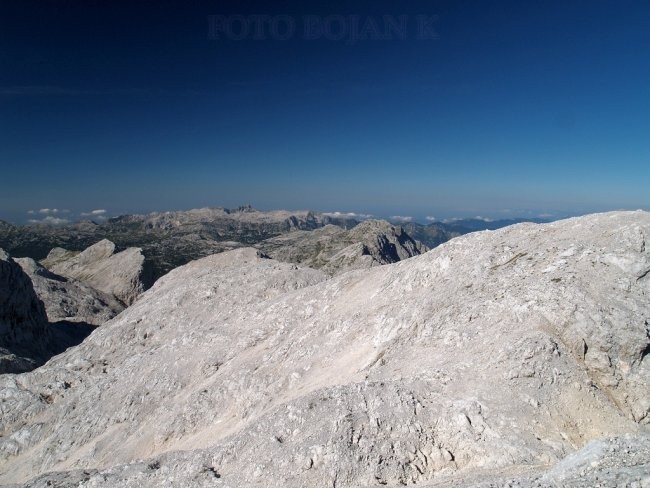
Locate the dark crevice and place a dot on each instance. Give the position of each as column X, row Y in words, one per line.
column 212, row 470
column 645, row 352
column 643, row 275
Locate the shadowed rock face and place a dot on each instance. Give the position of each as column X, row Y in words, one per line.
column 124, row 275
column 27, row 337
column 67, row 299
column 23, row 322
column 512, row 354
column 386, row 243
column 336, row 250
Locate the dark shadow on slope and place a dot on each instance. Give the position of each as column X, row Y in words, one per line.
column 59, row 337
column 67, row 334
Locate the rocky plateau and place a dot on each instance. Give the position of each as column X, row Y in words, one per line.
column 514, row 357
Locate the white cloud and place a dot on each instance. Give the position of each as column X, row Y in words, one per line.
column 348, row 215
column 46, row 211
column 401, row 218
column 484, row 219
column 49, row 220
column 100, row 211
column 430, row 218
column 31, row 212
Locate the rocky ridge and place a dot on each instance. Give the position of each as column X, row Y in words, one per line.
column 518, row 354
column 335, row 250
column 124, row 275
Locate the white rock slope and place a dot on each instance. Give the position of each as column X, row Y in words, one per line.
column 124, row 274
column 492, row 357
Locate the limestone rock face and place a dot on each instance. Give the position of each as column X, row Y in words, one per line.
column 518, row 354
column 56, row 256
column 124, row 274
column 336, row 250
column 23, row 322
column 67, row 299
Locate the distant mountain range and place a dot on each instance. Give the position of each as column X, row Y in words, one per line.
column 171, row 239
column 168, row 239
column 436, row 233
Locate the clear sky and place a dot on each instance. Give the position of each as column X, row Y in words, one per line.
column 494, row 108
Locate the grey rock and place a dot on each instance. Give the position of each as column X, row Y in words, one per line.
column 23, row 322
column 610, row 462
column 67, row 299
column 124, row 275
column 334, row 249
column 27, row 337
column 56, row 256
column 486, row 361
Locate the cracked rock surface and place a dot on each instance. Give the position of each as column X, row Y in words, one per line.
column 516, row 356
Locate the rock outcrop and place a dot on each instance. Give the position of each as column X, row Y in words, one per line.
column 124, row 275
column 57, row 256
column 518, row 354
column 335, row 250
column 67, row 299
column 23, row 323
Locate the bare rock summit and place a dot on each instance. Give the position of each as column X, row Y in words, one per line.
column 511, row 357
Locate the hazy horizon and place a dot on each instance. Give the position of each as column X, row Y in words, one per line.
column 56, row 216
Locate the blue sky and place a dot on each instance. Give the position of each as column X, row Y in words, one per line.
column 515, row 109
